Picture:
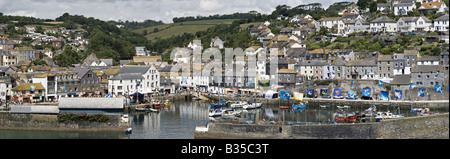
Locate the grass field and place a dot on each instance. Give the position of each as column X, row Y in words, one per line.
column 174, row 29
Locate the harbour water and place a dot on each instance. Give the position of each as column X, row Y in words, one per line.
column 179, row 121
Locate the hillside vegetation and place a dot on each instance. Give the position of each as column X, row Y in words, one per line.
column 191, row 27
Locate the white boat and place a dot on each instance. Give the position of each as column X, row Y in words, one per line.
column 239, row 104
column 147, row 109
column 128, row 131
column 387, row 115
column 249, row 106
column 125, row 118
column 343, row 107
column 214, row 113
column 231, row 112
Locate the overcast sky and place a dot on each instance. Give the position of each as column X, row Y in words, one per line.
column 139, row 10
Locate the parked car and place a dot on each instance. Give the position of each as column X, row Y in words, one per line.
column 366, row 98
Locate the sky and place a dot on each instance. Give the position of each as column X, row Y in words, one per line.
column 140, row 10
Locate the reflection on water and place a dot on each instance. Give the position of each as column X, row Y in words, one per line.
column 176, row 122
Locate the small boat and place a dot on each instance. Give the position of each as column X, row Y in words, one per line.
column 248, row 106
column 125, row 118
column 128, row 130
column 297, row 108
column 343, row 107
column 284, row 107
column 167, row 103
column 214, row 113
column 324, row 106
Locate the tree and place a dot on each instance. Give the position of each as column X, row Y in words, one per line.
column 373, row 6
column 362, row 4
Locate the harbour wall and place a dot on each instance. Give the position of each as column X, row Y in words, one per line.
column 340, row 102
column 49, row 122
column 421, row 127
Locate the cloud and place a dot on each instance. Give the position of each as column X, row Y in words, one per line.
column 139, row 10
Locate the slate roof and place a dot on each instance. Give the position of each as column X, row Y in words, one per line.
column 428, row 58
column 426, row 68
column 442, row 18
column 383, row 19
column 401, row 79
column 134, row 69
column 313, row 63
column 127, row 76
column 362, row 62
column 414, row 19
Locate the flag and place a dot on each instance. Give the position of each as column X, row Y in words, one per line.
column 298, row 96
column 421, row 92
column 32, row 88
column 285, row 95
column 380, row 83
column 352, row 82
column 352, row 94
column 63, row 89
column 384, row 95
column 138, row 84
column 310, row 93
column 412, row 86
column 323, row 92
column 367, row 92
column 397, row 94
column 272, row 85
column 337, row 92
column 250, row 84
column 438, row 88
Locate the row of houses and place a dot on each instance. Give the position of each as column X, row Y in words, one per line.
column 52, row 83
column 385, row 24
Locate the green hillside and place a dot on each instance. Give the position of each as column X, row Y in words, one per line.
column 167, row 30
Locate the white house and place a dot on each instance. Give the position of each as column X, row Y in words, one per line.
column 438, row 6
column 384, row 7
column 441, row 23
column 216, row 42
column 409, row 24
column 403, row 8
column 356, row 25
column 129, row 79
column 329, row 23
column 383, row 24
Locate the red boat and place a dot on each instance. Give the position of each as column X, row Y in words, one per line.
column 284, row 107
column 342, row 117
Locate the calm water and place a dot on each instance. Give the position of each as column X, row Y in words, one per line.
column 179, row 121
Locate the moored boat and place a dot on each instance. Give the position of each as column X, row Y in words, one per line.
column 214, row 113
column 128, row 130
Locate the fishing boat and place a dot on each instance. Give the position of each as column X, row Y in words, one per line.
column 297, row 108
column 214, row 113
column 128, row 130
column 386, row 115
column 342, row 117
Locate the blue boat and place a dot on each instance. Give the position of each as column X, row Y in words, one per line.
column 128, row 131
column 298, row 108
